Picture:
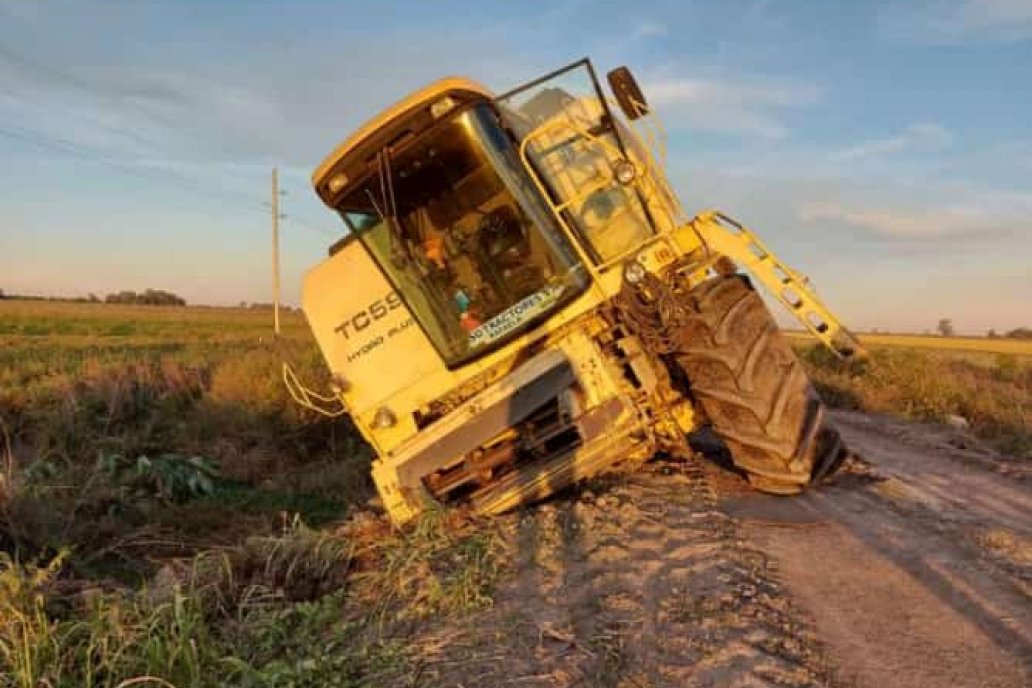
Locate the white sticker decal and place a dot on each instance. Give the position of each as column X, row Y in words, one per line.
column 510, row 319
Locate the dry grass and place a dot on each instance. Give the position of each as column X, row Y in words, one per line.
column 305, row 607
column 84, row 386
column 984, row 345
column 994, row 395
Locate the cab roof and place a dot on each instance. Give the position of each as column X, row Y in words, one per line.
column 384, row 128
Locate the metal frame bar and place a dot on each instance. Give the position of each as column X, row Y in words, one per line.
column 736, row 241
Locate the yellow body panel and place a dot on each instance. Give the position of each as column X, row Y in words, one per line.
column 425, row 95
column 390, row 368
column 367, row 334
column 391, row 363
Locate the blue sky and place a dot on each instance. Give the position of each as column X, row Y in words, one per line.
column 883, row 148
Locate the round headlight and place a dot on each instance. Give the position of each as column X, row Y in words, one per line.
column 384, row 418
column 625, row 172
column 634, row 272
column 338, row 182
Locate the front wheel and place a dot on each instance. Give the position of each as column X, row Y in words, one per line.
column 746, row 378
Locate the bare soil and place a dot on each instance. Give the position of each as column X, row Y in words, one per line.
column 916, row 567
column 913, row 568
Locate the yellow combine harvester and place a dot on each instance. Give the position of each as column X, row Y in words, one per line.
column 520, row 302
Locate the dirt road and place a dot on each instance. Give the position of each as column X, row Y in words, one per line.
column 916, row 574
column 913, row 568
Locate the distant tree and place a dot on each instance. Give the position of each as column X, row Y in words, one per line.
column 1, row 293
column 149, row 297
column 945, row 327
column 991, row 334
column 121, row 297
column 158, row 297
column 92, row 298
column 1020, row 333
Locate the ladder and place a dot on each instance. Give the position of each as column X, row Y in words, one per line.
column 792, row 289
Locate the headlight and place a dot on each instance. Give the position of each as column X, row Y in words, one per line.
column 634, row 272
column 337, row 182
column 384, row 418
column 442, row 107
column 625, row 172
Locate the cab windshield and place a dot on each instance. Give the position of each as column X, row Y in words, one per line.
column 466, row 240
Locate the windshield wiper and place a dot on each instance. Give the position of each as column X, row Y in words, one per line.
column 399, row 250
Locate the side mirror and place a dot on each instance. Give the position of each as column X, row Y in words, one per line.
column 628, row 93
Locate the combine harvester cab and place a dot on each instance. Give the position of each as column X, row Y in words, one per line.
column 520, row 302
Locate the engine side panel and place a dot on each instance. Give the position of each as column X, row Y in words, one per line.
column 366, row 333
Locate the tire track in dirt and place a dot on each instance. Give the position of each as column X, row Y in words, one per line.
column 913, row 569
column 645, row 585
column 918, row 574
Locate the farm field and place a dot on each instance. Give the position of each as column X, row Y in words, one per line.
column 167, row 511
column 88, row 389
column 192, row 523
column 978, row 345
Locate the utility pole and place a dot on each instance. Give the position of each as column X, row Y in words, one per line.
column 275, row 252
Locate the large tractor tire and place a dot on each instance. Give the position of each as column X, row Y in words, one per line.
column 746, row 378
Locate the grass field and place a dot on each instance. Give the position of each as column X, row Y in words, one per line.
column 975, row 345
column 159, row 499
column 986, row 382
column 989, row 393
column 166, row 511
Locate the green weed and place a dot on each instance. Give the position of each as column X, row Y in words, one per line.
column 443, row 564
column 305, row 608
column 29, row 643
column 169, row 477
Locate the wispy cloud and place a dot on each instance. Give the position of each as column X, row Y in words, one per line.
column 649, row 29
column 222, row 113
column 902, row 223
column 731, row 104
column 925, row 137
column 951, row 22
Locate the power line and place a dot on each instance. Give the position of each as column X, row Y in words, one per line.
column 74, row 80
column 62, row 145
column 70, row 78
column 275, row 251
column 58, row 144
